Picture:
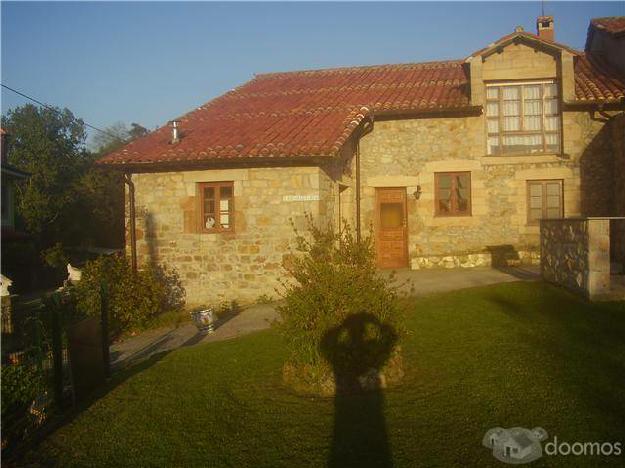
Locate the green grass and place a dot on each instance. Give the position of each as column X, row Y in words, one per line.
column 518, row 354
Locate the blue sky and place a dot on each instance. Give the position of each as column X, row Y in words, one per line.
column 150, row 62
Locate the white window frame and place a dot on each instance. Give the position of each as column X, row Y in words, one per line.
column 543, row 132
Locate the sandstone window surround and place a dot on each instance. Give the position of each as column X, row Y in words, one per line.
column 452, row 193
column 544, row 200
column 522, row 118
column 216, row 207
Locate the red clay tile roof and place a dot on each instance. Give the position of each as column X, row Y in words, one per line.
column 313, row 113
column 612, row 24
column 300, row 114
column 596, row 80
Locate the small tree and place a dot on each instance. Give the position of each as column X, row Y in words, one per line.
column 334, row 290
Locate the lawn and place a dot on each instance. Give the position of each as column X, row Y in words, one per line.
column 517, row 354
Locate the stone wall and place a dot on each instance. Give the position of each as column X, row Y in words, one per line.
column 575, row 253
column 407, row 153
column 564, row 253
column 241, row 265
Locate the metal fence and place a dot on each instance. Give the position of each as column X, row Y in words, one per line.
column 36, row 373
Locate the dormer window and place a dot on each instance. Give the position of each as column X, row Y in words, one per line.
column 522, row 118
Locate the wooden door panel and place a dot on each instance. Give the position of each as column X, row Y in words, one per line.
column 391, row 228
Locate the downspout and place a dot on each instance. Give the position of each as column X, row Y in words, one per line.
column 366, row 129
column 133, row 231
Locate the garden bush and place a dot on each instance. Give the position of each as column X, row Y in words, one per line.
column 340, row 316
column 133, row 299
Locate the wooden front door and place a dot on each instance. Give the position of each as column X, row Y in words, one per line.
column 391, row 228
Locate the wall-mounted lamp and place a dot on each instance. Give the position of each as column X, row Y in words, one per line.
column 417, row 193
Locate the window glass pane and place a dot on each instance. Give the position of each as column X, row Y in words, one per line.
column 550, row 90
column 209, row 206
column 535, row 214
column 492, row 109
column 209, row 193
column 553, row 142
column 511, row 92
column 553, row 213
column 536, row 190
column 553, row 188
column 512, row 108
column 532, row 122
column 531, row 91
column 391, row 215
column 532, row 108
column 493, row 125
column 493, row 145
column 224, row 213
column 444, row 181
column 444, row 193
column 511, row 124
column 463, row 192
column 552, row 124
column 551, row 106
column 523, row 143
column 225, row 191
column 492, row 92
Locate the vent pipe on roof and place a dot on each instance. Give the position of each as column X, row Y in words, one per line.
column 175, row 131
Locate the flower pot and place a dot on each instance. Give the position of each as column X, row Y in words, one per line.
column 204, row 320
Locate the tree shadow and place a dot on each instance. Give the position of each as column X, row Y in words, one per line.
column 358, row 349
column 150, row 239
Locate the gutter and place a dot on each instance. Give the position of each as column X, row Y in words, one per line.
column 367, row 127
column 132, row 214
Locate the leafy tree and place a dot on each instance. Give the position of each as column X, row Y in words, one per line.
column 50, row 145
column 116, row 136
column 67, row 198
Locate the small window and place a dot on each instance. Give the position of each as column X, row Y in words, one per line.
column 544, row 200
column 216, row 206
column 453, row 193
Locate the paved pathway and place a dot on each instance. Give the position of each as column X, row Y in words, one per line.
column 259, row 317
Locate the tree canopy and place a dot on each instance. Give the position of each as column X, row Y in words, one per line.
column 67, row 198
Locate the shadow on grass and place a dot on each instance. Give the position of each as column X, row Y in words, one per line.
column 357, row 350
column 22, row 455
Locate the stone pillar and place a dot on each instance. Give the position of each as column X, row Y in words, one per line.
column 567, row 76
column 598, row 258
column 477, row 83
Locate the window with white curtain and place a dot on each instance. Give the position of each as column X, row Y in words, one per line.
column 522, row 118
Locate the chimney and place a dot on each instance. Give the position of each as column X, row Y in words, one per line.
column 544, row 28
column 175, row 131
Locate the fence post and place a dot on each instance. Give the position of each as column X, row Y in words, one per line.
column 104, row 320
column 57, row 354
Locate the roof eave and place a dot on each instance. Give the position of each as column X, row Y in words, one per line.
column 214, row 163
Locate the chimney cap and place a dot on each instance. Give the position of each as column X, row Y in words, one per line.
column 545, row 27
column 175, row 130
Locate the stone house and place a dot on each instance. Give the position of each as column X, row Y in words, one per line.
column 452, row 163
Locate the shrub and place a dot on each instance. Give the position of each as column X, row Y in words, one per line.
column 133, row 299
column 340, row 316
column 21, row 385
